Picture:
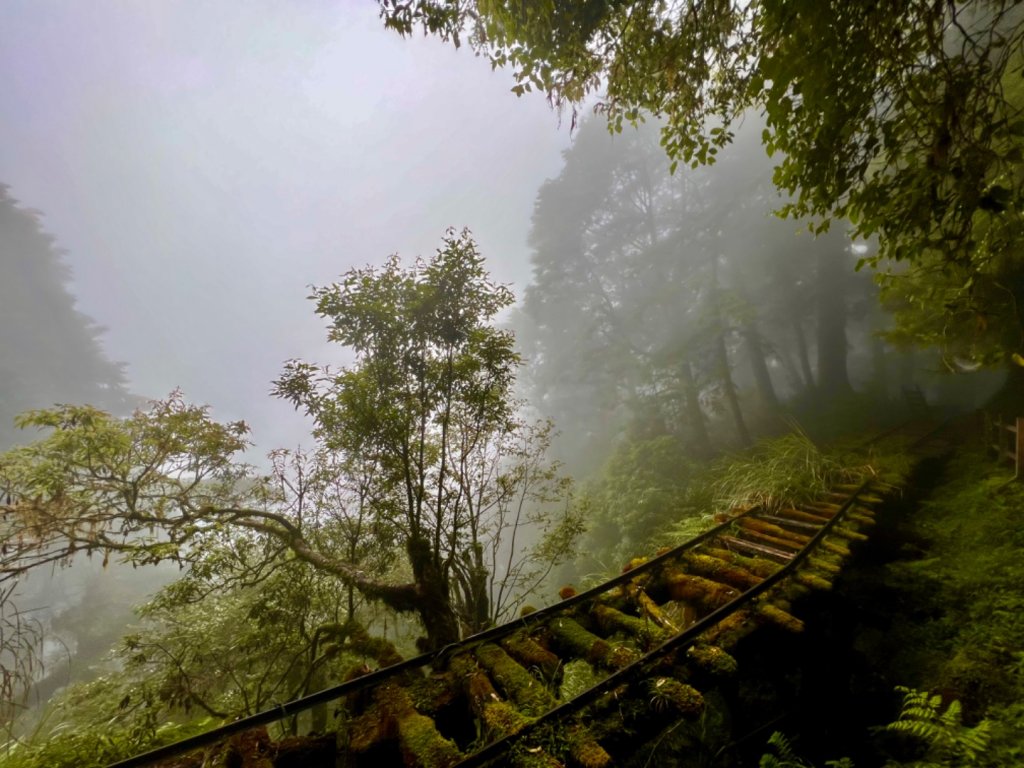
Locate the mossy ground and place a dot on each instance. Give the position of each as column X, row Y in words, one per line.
column 934, row 601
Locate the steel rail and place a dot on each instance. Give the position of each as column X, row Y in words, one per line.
column 642, row 665
column 296, row 706
column 376, row 677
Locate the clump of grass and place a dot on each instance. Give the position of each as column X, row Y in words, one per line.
column 777, row 473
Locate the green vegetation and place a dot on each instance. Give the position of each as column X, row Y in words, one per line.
column 426, row 493
column 902, row 118
column 785, row 756
column 962, row 633
column 947, row 742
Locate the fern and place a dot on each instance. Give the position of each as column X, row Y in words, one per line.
column 786, row 756
column 948, row 741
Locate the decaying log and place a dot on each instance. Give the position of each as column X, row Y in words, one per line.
column 697, row 590
column 803, row 515
column 780, row 617
column 755, row 565
column 712, row 660
column 393, row 717
column 577, row 642
column 720, row 570
column 775, row 531
column 528, row 693
column 651, row 610
column 646, row 634
column 532, row 655
column 759, row 550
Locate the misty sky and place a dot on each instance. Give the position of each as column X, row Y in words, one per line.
column 203, row 163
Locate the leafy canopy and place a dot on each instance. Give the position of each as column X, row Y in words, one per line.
column 902, row 117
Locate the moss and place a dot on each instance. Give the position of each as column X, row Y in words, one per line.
column 698, row 590
column 422, row 745
column 846, row 532
column 653, row 611
column 586, row 751
column 383, row 651
column 643, row 631
column 367, row 730
column 720, row 570
column 712, row 660
column 475, row 684
column 824, row 564
column 860, row 518
column 667, row 693
column 526, row 756
column 780, row 617
column 813, row 581
column 502, row 719
column 803, row 516
column 775, row 531
column 532, row 654
column 636, row 562
column 568, row 635
column 516, row 683
column 577, row 677
column 755, row 565
column 835, row 548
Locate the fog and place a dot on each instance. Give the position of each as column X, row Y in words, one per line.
column 202, row 164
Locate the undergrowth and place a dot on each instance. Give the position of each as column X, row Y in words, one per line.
column 781, row 472
column 962, row 634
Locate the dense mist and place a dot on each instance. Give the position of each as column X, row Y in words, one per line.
column 202, row 166
column 320, row 347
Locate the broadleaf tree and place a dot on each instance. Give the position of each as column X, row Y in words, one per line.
column 418, row 441
column 903, row 118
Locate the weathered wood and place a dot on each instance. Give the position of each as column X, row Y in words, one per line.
column 577, row 642
column 393, row 717
column 835, row 548
column 759, row 550
column 532, row 654
column 720, row 570
column 844, row 532
column 644, row 632
column 516, row 683
column 712, row 660
column 770, row 529
column 755, row 565
column 792, row 513
column 772, row 541
column 697, row 590
column 653, row 611
column 780, row 617
column 813, row 581
column 785, row 522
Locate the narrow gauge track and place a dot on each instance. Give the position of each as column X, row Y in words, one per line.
column 657, row 633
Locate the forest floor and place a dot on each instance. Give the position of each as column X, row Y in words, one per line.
column 933, row 602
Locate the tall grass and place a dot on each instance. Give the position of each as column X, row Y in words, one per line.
column 778, row 473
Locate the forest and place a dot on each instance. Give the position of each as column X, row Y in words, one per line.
column 713, row 485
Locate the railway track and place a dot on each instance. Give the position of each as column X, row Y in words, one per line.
column 650, row 642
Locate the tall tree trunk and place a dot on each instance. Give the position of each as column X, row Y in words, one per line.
column 694, row 413
column 434, row 599
column 879, row 367
column 759, row 367
column 729, row 389
column 831, row 286
column 802, row 355
column 724, row 370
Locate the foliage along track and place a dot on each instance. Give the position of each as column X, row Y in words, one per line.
column 652, row 637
